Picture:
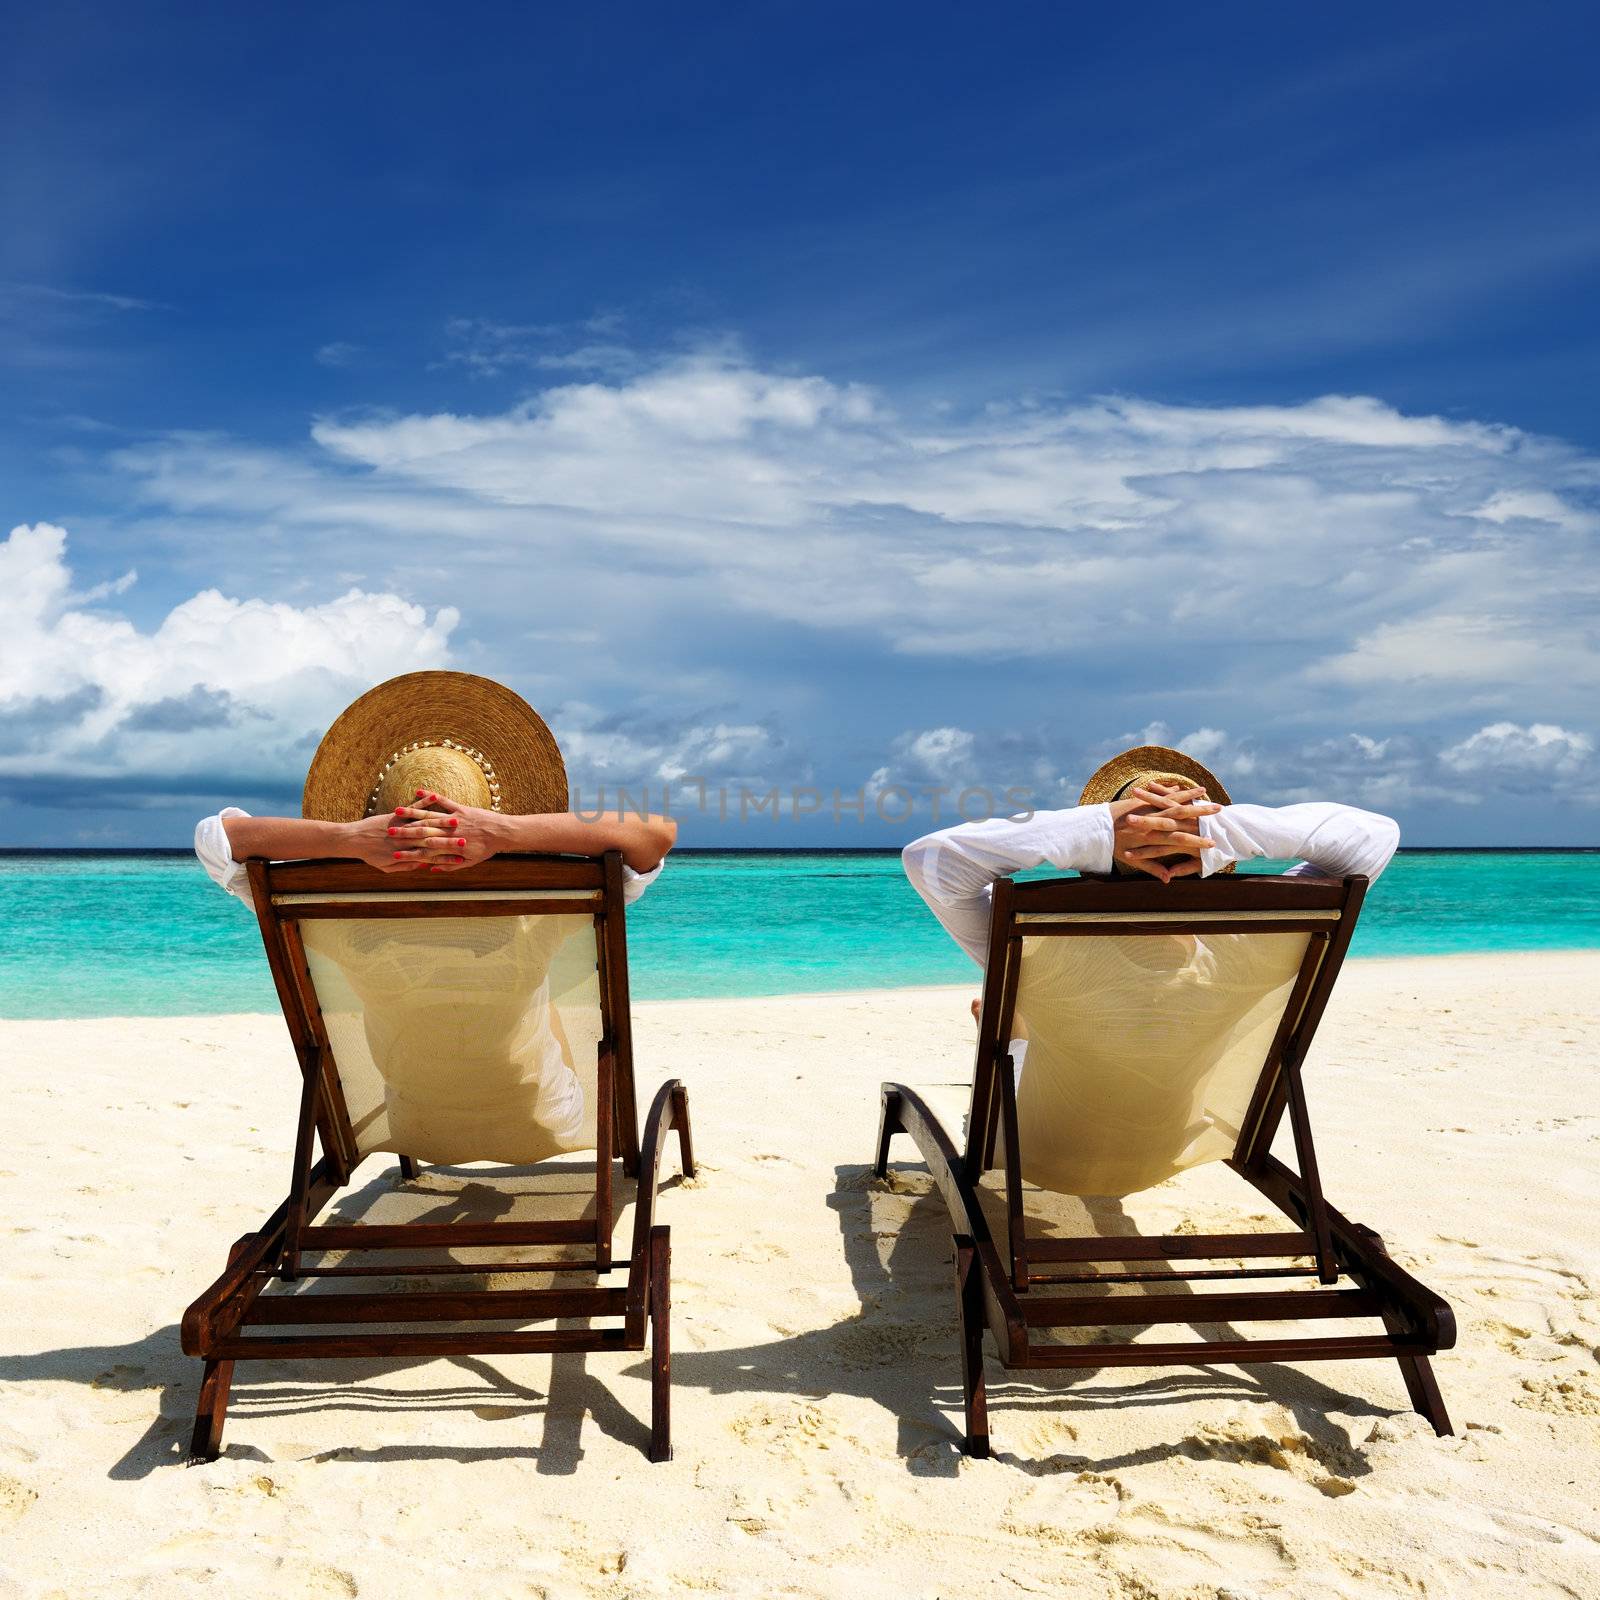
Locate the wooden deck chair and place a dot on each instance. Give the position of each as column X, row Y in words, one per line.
column 1168, row 1025
column 481, row 1016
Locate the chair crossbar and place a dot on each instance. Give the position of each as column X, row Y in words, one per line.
column 1172, row 1247
column 443, row 1235
column 1037, row 1279
column 1114, row 919
column 428, row 1269
column 427, row 1346
column 333, row 907
column 570, row 899
column 1051, row 927
column 489, row 1305
column 1234, row 1352
column 1132, row 1310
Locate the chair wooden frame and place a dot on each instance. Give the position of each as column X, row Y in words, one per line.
column 218, row 1327
column 1011, row 1297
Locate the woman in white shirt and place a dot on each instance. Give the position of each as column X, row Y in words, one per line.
column 435, row 772
column 432, row 771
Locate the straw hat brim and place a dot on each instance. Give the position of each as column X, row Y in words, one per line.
column 1146, row 760
column 430, row 708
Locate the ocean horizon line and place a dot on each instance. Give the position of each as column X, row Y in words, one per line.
column 176, row 851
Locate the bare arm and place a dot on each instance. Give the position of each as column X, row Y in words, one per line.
column 426, row 836
column 304, row 838
column 643, row 841
column 439, row 833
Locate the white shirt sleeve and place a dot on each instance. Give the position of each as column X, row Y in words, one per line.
column 1322, row 837
column 634, row 883
column 216, row 855
column 955, row 870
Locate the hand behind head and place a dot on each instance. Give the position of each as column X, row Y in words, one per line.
column 1155, row 830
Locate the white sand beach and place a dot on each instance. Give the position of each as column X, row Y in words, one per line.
column 1457, row 1104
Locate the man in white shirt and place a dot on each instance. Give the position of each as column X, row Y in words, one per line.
column 1152, row 810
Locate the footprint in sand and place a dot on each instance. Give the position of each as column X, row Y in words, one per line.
column 1278, row 1441
column 1578, row 1396
column 794, row 1430
column 324, row 1583
column 869, row 1342
column 1063, row 1512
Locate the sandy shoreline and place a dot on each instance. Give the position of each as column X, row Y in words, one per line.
column 1458, row 1110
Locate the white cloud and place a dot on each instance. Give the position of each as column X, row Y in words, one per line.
column 339, row 353
column 1370, row 551
column 652, row 748
column 84, row 299
column 1530, row 756
column 1483, row 652
column 1273, row 570
column 488, row 349
column 1535, row 505
column 220, row 689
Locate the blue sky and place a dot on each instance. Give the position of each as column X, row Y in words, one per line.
column 805, row 395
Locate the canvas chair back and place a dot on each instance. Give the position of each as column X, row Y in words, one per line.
column 458, row 1018
column 1153, row 1015
column 461, row 1038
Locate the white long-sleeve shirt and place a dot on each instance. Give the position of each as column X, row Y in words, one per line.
column 955, row 870
column 212, row 846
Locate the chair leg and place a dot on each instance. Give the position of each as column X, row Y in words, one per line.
column 1421, row 1386
column 408, row 1169
column 660, row 1345
column 969, row 1294
column 680, row 1118
column 1424, row 1392
column 1417, row 1371
column 888, row 1127
column 209, row 1414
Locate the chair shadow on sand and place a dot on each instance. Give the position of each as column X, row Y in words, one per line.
column 898, row 1350
column 901, row 1351
column 156, row 1363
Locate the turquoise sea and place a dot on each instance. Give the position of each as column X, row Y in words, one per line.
column 90, row 934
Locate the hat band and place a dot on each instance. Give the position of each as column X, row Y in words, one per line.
column 484, row 765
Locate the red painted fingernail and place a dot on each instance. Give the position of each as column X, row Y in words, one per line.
column 399, row 855
column 460, row 843
column 393, row 832
column 421, row 795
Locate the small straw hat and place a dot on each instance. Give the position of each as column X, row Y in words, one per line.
column 454, row 733
column 1147, row 762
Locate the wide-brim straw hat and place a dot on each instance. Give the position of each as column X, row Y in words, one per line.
column 464, row 736
column 1146, row 763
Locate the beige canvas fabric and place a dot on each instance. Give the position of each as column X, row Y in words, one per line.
column 1143, row 1053
column 462, row 1039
